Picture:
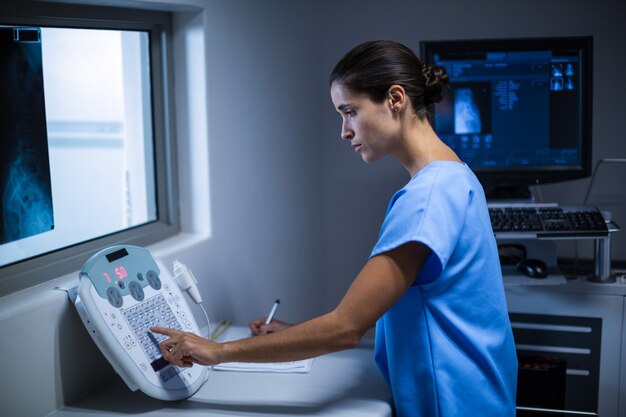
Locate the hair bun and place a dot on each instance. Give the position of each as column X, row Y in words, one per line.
column 435, row 79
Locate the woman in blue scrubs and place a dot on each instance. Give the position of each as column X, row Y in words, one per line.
column 432, row 284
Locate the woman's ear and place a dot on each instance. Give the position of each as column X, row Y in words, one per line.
column 397, row 98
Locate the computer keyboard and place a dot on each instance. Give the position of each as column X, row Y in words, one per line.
column 546, row 221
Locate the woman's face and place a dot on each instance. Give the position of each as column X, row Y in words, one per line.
column 370, row 127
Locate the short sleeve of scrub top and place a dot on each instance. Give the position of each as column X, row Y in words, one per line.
column 420, row 212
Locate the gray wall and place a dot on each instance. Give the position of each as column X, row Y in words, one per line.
column 264, row 159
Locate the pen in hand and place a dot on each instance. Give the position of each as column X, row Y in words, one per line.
column 270, row 317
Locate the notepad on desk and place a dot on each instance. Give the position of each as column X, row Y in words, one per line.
column 302, row 367
column 236, row 333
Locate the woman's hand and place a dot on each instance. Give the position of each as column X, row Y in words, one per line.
column 258, row 327
column 184, row 349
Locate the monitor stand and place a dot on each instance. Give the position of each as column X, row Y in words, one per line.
column 507, row 192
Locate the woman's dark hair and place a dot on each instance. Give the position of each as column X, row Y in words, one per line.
column 372, row 67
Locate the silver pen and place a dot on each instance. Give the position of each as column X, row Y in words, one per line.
column 272, row 313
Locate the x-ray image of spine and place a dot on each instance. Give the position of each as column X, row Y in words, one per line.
column 25, row 188
column 466, row 113
column 26, row 200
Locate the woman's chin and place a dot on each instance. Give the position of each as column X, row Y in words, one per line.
column 369, row 158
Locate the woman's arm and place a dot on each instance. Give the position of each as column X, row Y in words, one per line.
column 381, row 282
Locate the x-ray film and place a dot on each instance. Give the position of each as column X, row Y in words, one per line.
column 25, row 187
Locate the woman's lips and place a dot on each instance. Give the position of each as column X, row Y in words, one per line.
column 357, row 147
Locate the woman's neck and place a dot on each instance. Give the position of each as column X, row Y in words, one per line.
column 420, row 145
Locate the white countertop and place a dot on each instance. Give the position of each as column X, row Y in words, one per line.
column 345, row 383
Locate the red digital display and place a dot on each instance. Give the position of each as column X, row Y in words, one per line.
column 120, row 271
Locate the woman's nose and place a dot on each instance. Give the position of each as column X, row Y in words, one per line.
column 346, row 133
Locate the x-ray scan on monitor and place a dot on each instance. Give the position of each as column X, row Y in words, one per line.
column 25, row 188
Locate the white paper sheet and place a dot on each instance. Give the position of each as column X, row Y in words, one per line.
column 236, row 333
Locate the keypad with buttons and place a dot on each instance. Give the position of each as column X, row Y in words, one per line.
column 152, row 312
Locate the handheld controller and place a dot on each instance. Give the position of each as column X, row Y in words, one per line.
column 122, row 291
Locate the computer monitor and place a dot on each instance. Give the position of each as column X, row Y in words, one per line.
column 517, row 111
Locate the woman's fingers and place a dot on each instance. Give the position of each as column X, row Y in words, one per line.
column 184, row 349
column 168, row 345
column 164, row 330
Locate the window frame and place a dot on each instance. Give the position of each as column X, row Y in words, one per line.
column 41, row 268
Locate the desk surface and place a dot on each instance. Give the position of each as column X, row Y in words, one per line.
column 345, row 383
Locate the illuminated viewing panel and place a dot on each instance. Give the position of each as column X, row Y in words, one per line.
column 517, row 111
column 79, row 162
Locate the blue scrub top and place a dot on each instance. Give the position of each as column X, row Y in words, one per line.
column 446, row 347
